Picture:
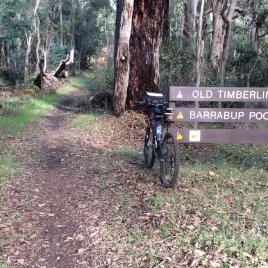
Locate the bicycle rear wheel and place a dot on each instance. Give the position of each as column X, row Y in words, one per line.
column 149, row 154
column 169, row 163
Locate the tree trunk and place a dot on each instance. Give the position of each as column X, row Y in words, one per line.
column 190, row 18
column 218, row 7
column 189, row 42
column 166, row 23
column 8, row 56
column 123, row 58
column 199, row 50
column 61, row 25
column 228, row 29
column 199, row 45
column 3, row 56
column 73, row 9
column 38, row 42
column 145, row 45
column 27, row 53
column 119, row 7
column 254, row 39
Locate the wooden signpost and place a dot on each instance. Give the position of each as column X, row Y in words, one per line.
column 216, row 115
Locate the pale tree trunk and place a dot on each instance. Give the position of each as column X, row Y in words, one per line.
column 3, row 56
column 38, row 42
column 199, row 50
column 107, row 44
column 123, row 58
column 199, row 43
column 61, row 25
column 29, row 40
column 73, row 9
column 46, row 49
column 226, row 45
column 181, row 28
column 190, row 9
column 8, row 56
column 145, row 45
column 27, row 53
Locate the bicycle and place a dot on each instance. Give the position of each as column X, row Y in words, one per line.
column 159, row 142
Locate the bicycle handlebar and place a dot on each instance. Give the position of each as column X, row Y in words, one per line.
column 143, row 103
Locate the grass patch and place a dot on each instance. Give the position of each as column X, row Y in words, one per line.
column 65, row 91
column 216, row 217
column 8, row 169
column 19, row 116
column 81, row 80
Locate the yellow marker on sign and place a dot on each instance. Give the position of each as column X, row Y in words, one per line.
column 179, row 136
column 180, row 116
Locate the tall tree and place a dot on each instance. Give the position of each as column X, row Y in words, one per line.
column 228, row 20
column 123, row 57
column 199, row 44
column 138, row 67
column 145, row 45
column 218, row 8
column 29, row 35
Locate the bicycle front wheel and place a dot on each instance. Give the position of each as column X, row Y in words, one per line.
column 149, row 154
column 169, row 163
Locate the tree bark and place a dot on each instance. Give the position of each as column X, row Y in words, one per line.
column 189, row 42
column 38, row 42
column 3, row 56
column 27, row 53
column 145, row 45
column 29, row 40
column 73, row 9
column 199, row 45
column 166, row 23
column 226, row 45
column 190, row 8
column 61, row 25
column 254, row 40
column 119, row 6
column 123, row 58
column 218, row 7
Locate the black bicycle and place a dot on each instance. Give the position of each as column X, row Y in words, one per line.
column 158, row 141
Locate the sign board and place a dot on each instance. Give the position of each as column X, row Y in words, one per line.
column 221, row 136
column 211, row 115
column 223, row 94
column 221, row 115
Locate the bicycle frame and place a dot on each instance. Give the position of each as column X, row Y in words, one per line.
column 158, row 125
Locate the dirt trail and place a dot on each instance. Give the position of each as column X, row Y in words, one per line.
column 75, row 192
column 48, row 199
